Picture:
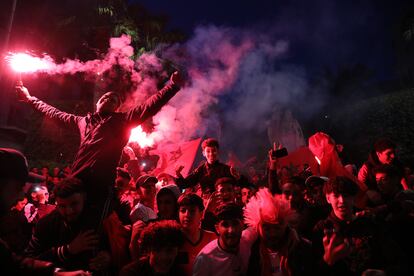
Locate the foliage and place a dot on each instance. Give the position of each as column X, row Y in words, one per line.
column 359, row 124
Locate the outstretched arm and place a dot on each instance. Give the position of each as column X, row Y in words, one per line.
column 46, row 109
column 156, row 102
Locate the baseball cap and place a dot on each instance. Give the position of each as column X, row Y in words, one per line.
column 144, row 179
column 315, row 180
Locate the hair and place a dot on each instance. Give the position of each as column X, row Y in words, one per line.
column 228, row 211
column 68, row 187
column 296, row 180
column 161, row 234
column 341, row 185
column 265, row 207
column 390, row 170
column 21, row 196
column 121, row 172
column 191, row 199
column 384, row 144
column 210, row 142
column 225, row 180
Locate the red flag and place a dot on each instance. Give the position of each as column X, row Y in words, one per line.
column 298, row 158
column 173, row 155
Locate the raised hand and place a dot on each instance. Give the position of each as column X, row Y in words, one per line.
column 336, row 248
column 177, row 78
column 178, row 171
column 22, row 92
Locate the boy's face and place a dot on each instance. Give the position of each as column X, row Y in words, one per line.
column 229, row 231
column 292, row 194
column 162, row 260
column 386, row 156
column 166, row 206
column 70, row 208
column 272, row 233
column 342, row 205
column 385, row 183
column 190, row 216
column 20, row 204
column 246, row 194
column 225, row 192
column 148, row 192
column 211, row 154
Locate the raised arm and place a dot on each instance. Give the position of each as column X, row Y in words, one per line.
column 152, row 105
column 46, row 109
column 272, row 177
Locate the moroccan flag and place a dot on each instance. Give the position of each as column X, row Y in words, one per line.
column 298, row 158
column 174, row 155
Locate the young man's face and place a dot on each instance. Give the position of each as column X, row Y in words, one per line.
column 43, row 195
column 20, row 204
column 246, row 194
column 226, row 192
column 386, row 156
column 272, row 234
column 109, row 102
column 229, row 231
column 386, row 184
column 211, row 154
column 342, row 205
column 292, row 194
column 70, row 208
column 162, row 260
column 148, row 192
column 190, row 217
column 166, row 205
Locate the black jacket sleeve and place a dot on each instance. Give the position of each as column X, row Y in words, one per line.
column 53, row 112
column 152, row 105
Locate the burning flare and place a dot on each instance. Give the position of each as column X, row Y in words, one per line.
column 140, row 137
column 27, row 63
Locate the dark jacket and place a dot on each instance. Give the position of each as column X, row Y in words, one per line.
column 102, row 138
column 366, row 172
column 371, row 247
column 52, row 235
column 295, row 257
column 206, row 175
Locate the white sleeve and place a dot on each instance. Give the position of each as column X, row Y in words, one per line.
column 201, row 266
column 249, row 235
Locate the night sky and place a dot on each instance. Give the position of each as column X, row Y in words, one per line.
column 322, row 34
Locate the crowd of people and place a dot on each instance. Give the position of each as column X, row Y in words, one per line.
column 101, row 219
column 215, row 221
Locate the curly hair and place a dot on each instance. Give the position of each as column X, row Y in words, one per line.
column 341, row 185
column 209, row 142
column 161, row 234
column 265, row 207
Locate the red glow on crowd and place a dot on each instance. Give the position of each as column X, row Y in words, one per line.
column 26, row 63
column 139, row 136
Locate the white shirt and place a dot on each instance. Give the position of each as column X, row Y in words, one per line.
column 142, row 212
column 214, row 261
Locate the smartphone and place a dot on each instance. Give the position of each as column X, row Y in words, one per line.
column 279, row 153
